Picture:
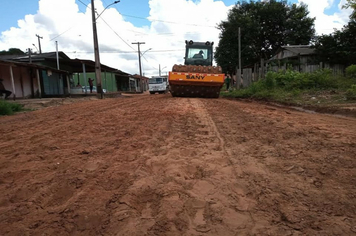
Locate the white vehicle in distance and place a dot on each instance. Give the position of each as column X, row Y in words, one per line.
column 158, row 84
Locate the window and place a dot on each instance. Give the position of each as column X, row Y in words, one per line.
column 155, row 81
column 197, row 53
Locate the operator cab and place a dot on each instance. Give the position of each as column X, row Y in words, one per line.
column 198, row 53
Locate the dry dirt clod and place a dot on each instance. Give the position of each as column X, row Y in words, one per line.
column 176, row 166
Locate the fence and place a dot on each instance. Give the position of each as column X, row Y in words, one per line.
column 250, row 75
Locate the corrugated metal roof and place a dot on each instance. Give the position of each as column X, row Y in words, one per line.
column 76, row 65
column 32, row 65
column 300, row 49
column 293, row 51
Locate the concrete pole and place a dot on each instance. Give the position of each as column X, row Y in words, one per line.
column 96, row 52
column 29, row 55
column 39, row 42
column 139, row 62
column 57, row 55
column 238, row 74
column 240, row 48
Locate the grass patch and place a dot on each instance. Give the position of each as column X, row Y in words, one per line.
column 351, row 93
column 9, row 108
column 319, row 87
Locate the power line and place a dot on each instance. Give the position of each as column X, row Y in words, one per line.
column 62, row 33
column 125, row 52
column 117, row 34
column 170, row 22
column 86, row 5
column 83, row 3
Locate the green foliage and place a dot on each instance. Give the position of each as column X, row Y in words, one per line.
column 351, row 71
column 265, row 27
column 282, row 86
column 351, row 93
column 338, row 47
column 12, row 51
column 7, row 108
column 295, row 80
column 351, row 4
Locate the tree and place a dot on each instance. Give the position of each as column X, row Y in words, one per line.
column 352, row 4
column 265, row 27
column 12, row 51
column 338, row 47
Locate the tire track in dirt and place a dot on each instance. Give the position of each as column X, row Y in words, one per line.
column 284, row 156
column 158, row 165
column 189, row 185
column 56, row 171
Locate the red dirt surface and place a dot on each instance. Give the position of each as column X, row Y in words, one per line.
column 158, row 165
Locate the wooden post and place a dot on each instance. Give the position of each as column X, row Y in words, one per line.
column 239, row 33
column 262, row 68
column 68, row 84
column 13, row 83
column 255, row 72
column 21, row 82
column 85, row 77
column 106, row 82
column 112, row 81
column 238, row 78
column 39, row 83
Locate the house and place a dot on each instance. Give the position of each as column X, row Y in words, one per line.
column 77, row 70
column 297, row 56
column 27, row 80
column 133, row 84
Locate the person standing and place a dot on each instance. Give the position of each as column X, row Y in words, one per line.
column 3, row 90
column 227, row 81
column 90, row 81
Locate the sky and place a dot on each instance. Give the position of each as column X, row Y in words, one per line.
column 163, row 26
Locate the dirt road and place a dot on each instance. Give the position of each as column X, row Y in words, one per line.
column 158, row 165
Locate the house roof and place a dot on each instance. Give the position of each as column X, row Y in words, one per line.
column 34, row 57
column 136, row 76
column 294, row 51
column 300, row 49
column 31, row 65
column 76, row 65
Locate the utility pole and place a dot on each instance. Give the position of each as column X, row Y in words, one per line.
column 29, row 55
column 96, row 52
column 160, row 70
column 39, row 42
column 239, row 71
column 57, row 55
column 139, row 62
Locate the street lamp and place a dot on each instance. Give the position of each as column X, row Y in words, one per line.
column 161, row 69
column 146, row 51
column 142, row 56
column 107, row 8
column 96, row 48
column 35, row 47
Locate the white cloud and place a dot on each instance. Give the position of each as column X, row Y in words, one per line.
column 172, row 22
column 325, row 24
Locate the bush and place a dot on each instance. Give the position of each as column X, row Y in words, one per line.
column 7, row 108
column 351, row 71
column 291, row 80
column 351, row 93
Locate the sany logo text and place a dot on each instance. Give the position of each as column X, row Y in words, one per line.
column 195, row 77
